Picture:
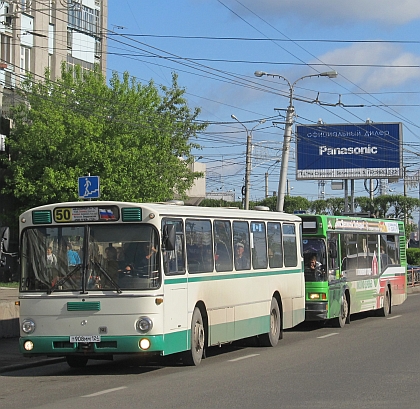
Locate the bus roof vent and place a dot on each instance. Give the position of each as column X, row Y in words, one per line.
column 41, row 217
column 131, row 214
column 262, row 208
column 175, row 202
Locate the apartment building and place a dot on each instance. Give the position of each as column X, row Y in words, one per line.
column 40, row 34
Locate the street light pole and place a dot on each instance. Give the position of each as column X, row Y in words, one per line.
column 248, row 158
column 288, row 130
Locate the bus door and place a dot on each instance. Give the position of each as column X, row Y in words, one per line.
column 175, row 305
column 335, row 277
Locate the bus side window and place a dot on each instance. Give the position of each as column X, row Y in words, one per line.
column 198, row 236
column 223, row 245
column 241, row 241
column 275, row 253
column 290, row 245
column 259, row 247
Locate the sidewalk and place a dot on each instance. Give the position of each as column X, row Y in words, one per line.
column 9, row 312
column 11, row 359
column 10, row 356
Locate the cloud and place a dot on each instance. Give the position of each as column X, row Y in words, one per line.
column 335, row 12
column 371, row 78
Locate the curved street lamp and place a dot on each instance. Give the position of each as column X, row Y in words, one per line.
column 248, row 158
column 288, row 129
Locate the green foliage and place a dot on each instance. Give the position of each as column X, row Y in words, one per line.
column 131, row 135
column 270, row 202
column 413, row 256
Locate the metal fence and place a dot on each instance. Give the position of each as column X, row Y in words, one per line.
column 413, row 276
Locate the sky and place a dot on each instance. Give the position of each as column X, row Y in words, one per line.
column 215, row 46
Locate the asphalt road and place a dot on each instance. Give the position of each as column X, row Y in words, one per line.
column 371, row 363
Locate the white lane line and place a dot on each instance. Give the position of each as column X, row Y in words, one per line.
column 243, row 357
column 104, row 392
column 393, row 317
column 328, row 335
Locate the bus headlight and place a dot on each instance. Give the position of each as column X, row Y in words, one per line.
column 144, row 344
column 144, row 325
column 28, row 326
column 317, row 296
column 28, row 345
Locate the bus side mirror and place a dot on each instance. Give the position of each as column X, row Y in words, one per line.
column 4, row 244
column 169, row 235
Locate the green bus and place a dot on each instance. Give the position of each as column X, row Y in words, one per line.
column 352, row 264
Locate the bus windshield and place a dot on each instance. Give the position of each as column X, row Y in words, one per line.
column 90, row 258
column 314, row 256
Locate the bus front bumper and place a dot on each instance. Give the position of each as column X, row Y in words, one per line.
column 316, row 311
column 60, row 346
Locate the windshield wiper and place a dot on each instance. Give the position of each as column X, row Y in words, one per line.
column 63, row 280
column 104, row 272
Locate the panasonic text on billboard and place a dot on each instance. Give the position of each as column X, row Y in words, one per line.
column 341, row 151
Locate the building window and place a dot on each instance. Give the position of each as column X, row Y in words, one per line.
column 6, row 49
column 84, row 19
column 25, row 59
column 25, row 5
column 98, row 48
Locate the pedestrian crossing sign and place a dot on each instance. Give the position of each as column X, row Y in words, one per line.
column 89, row 187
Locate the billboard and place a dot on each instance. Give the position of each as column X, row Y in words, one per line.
column 349, row 151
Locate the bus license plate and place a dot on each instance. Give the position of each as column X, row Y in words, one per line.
column 85, row 338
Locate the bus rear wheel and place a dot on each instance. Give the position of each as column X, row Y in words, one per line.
column 271, row 339
column 341, row 320
column 76, row 361
column 194, row 356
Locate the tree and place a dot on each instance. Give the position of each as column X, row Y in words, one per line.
column 135, row 137
column 319, row 207
column 294, row 203
column 335, row 205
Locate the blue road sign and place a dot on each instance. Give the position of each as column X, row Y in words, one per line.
column 89, row 187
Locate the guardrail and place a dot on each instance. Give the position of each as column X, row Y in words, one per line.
column 413, row 276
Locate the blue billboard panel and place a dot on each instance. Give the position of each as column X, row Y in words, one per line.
column 342, row 151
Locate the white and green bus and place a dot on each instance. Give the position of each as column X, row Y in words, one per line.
column 104, row 278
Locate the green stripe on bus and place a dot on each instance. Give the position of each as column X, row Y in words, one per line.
column 221, row 276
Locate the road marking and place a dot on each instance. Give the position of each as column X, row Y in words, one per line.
column 394, row 316
column 328, row 335
column 242, row 357
column 104, row 392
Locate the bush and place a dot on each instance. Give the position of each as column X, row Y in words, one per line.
column 413, row 256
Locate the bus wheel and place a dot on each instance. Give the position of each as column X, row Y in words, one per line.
column 386, row 309
column 194, row 356
column 341, row 320
column 76, row 361
column 271, row 339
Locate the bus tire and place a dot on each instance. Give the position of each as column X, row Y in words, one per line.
column 194, row 356
column 74, row 361
column 271, row 339
column 341, row 320
column 386, row 309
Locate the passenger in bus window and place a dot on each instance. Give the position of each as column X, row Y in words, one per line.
column 51, row 258
column 146, row 259
column 315, row 269
column 241, row 259
column 112, row 263
column 121, row 257
column 72, row 256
